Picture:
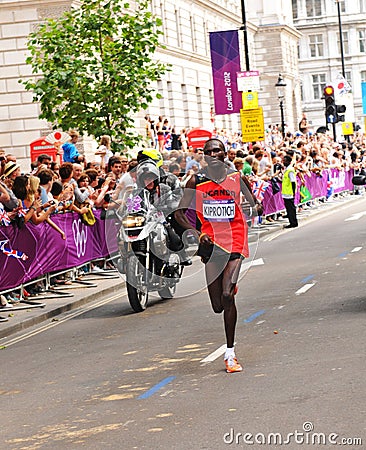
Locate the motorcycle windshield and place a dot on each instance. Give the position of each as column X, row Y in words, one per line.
column 135, row 202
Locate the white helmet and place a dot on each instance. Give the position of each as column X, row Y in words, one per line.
column 147, row 170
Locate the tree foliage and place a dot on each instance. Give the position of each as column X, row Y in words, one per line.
column 94, row 68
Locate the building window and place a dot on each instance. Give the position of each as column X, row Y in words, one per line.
column 313, row 8
column 345, row 43
column 342, row 5
column 318, row 82
column 177, row 25
column 163, row 18
column 362, row 40
column 362, row 6
column 193, row 33
column 294, row 9
column 348, row 77
column 316, row 45
column 363, row 75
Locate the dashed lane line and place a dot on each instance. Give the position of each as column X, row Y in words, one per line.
column 304, row 289
column 356, row 249
column 249, row 264
column 355, row 216
column 214, row 355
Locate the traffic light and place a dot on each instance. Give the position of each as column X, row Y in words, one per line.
column 330, row 106
column 340, row 109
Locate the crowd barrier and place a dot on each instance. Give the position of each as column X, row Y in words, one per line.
column 332, row 181
column 36, row 251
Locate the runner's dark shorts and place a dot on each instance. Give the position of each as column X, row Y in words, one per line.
column 212, row 252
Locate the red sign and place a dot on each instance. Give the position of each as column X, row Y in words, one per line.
column 39, row 147
column 197, row 137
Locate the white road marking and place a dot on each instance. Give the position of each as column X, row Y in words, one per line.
column 249, row 264
column 62, row 320
column 356, row 249
column 356, row 216
column 305, row 288
column 214, row 355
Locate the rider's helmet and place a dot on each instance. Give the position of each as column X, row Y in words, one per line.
column 150, row 154
column 146, row 172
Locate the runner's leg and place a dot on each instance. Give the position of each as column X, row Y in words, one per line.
column 214, row 276
column 229, row 279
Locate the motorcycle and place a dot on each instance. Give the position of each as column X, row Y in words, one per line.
column 145, row 246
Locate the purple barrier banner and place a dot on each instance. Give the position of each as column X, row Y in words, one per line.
column 332, row 181
column 225, row 60
column 35, row 250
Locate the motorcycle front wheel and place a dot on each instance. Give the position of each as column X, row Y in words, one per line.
column 137, row 291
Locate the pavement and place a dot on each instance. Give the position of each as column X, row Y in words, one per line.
column 91, row 287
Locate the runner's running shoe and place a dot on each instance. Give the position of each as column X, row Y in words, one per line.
column 232, row 365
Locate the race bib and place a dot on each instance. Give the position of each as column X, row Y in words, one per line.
column 219, row 210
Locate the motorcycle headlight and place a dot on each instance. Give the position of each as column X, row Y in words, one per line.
column 133, row 221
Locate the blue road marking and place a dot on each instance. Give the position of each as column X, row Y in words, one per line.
column 254, row 316
column 342, row 255
column 155, row 388
column 306, row 279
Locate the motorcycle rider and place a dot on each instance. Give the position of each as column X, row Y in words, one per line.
column 165, row 195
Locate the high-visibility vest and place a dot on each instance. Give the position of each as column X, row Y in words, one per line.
column 286, row 182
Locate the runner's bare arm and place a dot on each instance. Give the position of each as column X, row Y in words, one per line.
column 188, row 194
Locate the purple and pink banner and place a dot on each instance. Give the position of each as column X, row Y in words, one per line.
column 338, row 180
column 225, row 60
column 35, row 250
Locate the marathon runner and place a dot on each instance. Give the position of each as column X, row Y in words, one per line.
column 219, row 194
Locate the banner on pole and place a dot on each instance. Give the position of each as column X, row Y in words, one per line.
column 363, row 88
column 225, row 60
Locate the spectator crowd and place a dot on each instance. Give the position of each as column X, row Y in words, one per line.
column 73, row 184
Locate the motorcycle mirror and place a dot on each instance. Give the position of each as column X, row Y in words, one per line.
column 359, row 180
column 107, row 198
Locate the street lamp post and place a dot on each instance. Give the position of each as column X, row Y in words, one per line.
column 244, row 28
column 280, row 85
column 341, row 37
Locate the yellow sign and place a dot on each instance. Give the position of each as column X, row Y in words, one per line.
column 347, row 128
column 250, row 100
column 252, row 124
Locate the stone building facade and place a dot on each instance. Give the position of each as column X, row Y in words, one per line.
column 187, row 92
column 320, row 54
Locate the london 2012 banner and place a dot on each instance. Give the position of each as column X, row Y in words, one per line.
column 225, row 60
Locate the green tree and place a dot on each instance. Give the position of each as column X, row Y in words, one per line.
column 94, row 68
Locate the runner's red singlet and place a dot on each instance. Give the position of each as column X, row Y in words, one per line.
column 218, row 208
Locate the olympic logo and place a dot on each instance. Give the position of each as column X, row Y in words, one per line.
column 80, row 233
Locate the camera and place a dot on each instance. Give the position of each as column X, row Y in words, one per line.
column 359, row 180
column 2, row 158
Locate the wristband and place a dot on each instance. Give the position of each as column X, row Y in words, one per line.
column 34, row 208
column 201, row 235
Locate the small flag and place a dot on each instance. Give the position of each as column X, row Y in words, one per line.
column 259, row 188
column 4, row 218
column 330, row 188
column 21, row 212
column 12, row 253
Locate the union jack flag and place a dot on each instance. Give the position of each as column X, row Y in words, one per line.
column 12, row 253
column 259, row 188
column 330, row 188
column 21, row 212
column 4, row 218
